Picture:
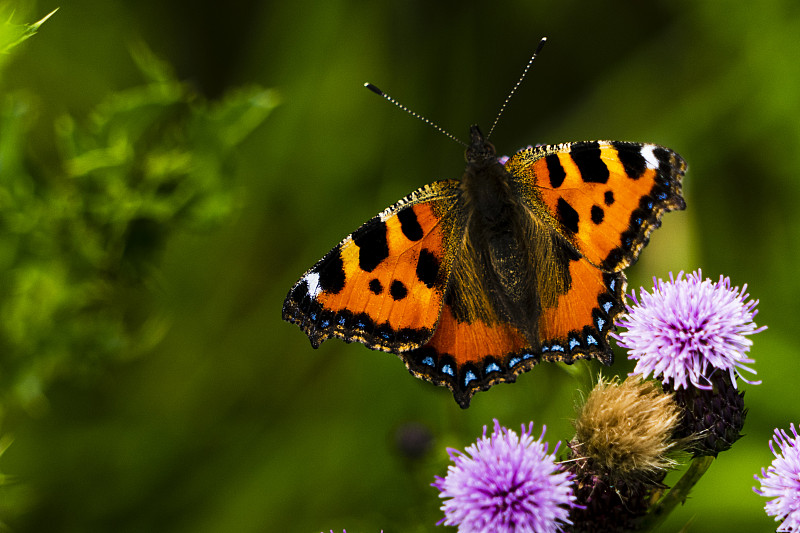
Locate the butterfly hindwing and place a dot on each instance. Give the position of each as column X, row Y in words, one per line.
column 605, row 196
column 468, row 356
column 472, row 355
column 577, row 327
column 383, row 285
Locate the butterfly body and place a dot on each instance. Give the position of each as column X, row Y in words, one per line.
column 496, row 265
column 474, row 281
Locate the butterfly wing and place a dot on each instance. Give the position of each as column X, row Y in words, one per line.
column 605, row 197
column 468, row 356
column 389, row 284
column 383, row 285
column 596, row 204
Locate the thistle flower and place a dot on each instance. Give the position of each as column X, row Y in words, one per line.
column 693, row 331
column 687, row 327
column 781, row 481
column 626, row 428
column 713, row 419
column 622, row 450
column 506, row 483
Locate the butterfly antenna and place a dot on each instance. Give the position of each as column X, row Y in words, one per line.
column 516, row 85
column 407, row 110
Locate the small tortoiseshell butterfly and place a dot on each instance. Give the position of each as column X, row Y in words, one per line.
column 473, row 281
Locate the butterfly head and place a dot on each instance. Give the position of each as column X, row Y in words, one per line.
column 479, row 149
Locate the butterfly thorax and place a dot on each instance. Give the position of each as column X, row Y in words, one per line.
column 486, row 184
column 495, row 266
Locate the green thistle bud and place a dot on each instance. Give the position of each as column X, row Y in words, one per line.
column 715, row 416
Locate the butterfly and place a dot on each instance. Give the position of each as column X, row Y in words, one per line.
column 472, row 282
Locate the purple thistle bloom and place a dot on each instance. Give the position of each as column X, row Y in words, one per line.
column 506, row 484
column 687, row 327
column 781, row 481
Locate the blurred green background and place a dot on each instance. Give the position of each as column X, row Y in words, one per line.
column 162, row 392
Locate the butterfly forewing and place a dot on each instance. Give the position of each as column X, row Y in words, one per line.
column 383, row 285
column 606, row 197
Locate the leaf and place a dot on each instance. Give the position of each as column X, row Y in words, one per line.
column 12, row 34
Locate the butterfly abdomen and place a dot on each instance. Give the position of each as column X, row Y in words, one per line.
column 505, row 257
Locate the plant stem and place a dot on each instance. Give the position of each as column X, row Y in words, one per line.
column 678, row 494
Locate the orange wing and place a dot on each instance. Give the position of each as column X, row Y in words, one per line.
column 389, row 284
column 601, row 200
column 383, row 285
column 578, row 326
column 468, row 357
column 605, row 197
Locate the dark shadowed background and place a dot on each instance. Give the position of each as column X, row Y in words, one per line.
column 230, row 421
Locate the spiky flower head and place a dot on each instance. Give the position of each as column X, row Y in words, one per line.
column 626, row 429
column 687, row 327
column 506, row 483
column 781, row 481
column 712, row 418
column 621, row 452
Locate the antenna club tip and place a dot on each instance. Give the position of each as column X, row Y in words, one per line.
column 373, row 89
column 541, row 45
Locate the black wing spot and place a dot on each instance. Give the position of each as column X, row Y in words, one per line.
column 608, row 198
column 632, row 160
column 427, row 268
column 409, row 224
column 567, row 215
column 555, row 170
column 375, row 286
column 371, row 241
column 597, row 214
column 331, row 272
column 398, row 290
column 591, row 166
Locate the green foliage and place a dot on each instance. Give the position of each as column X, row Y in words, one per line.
column 75, row 244
column 232, row 422
column 12, row 34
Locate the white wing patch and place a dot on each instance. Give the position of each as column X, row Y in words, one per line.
column 649, row 156
column 312, row 280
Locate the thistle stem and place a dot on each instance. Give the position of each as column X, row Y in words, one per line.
column 677, row 494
